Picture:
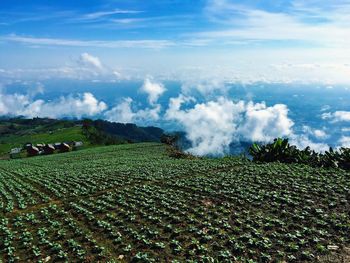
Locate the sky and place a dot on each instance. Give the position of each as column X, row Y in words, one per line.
column 221, row 70
column 248, row 40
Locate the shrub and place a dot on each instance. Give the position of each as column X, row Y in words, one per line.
column 281, row 151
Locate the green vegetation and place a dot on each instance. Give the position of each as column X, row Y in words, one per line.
column 133, row 202
column 18, row 131
column 280, row 150
column 98, row 137
column 60, row 135
column 127, row 131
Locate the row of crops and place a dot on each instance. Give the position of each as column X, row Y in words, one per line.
column 134, row 203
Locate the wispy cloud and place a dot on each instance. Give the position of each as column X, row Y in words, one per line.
column 338, row 116
column 11, row 18
column 344, row 141
column 90, row 61
column 96, row 15
column 63, row 16
column 145, row 43
column 298, row 23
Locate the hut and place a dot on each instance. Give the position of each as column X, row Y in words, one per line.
column 77, row 145
column 49, row 149
column 32, row 151
column 27, row 145
column 15, row 153
column 64, row 147
column 40, row 146
column 57, row 145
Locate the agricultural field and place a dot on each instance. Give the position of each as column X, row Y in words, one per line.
column 133, row 203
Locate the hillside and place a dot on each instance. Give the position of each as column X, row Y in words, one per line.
column 17, row 131
column 8, row 142
column 133, row 202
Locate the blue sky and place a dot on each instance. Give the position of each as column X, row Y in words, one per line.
column 302, row 40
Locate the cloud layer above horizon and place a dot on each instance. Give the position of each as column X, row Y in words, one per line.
column 210, row 125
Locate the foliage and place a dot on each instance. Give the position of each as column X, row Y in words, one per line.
column 127, row 131
column 173, row 146
column 280, row 150
column 169, row 139
column 96, row 136
column 132, row 203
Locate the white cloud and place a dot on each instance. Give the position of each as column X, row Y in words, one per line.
column 97, row 15
column 317, row 133
column 206, row 86
column 83, row 67
column 213, row 125
column 23, row 105
column 148, row 115
column 338, row 116
column 209, row 126
column 303, row 24
column 90, row 61
column 320, row 134
column 303, row 141
column 326, row 108
column 144, row 43
column 121, row 75
column 264, row 123
column 344, row 141
column 153, row 89
column 9, row 104
column 124, row 113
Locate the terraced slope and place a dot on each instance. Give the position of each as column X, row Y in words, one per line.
column 134, row 203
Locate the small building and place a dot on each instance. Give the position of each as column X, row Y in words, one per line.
column 57, row 145
column 49, row 149
column 40, row 146
column 27, row 145
column 33, row 151
column 78, row 144
column 64, row 147
column 15, row 153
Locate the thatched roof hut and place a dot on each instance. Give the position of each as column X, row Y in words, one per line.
column 32, row 151
column 57, row 145
column 49, row 149
column 64, row 147
column 27, row 145
column 40, row 145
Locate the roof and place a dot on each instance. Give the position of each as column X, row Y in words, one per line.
column 15, row 150
column 49, row 146
column 33, row 148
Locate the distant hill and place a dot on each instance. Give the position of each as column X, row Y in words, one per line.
column 14, row 132
column 129, row 131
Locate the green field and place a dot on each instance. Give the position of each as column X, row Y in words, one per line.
column 134, row 203
column 60, row 135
